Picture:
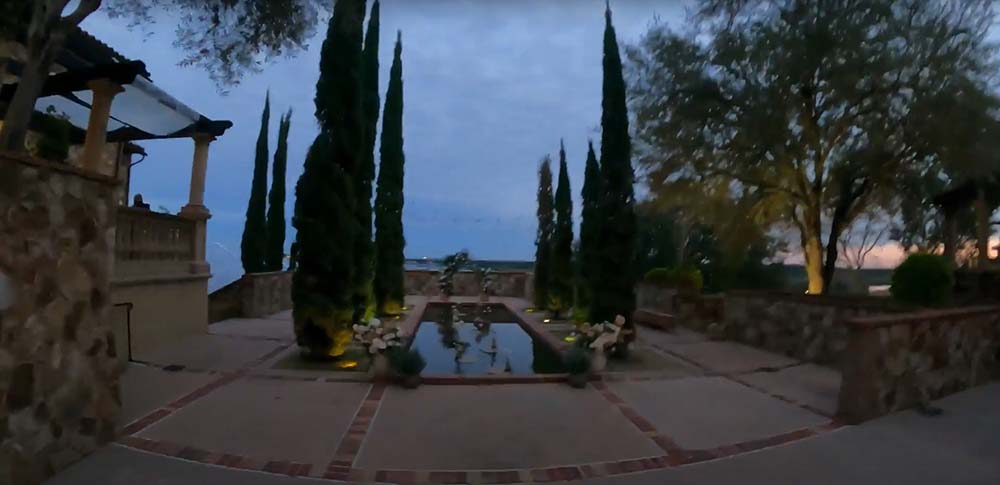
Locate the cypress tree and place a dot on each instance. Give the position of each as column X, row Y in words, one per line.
column 389, row 241
column 543, row 240
column 275, row 252
column 590, row 226
column 561, row 285
column 363, row 252
column 325, row 218
column 614, row 287
column 255, row 229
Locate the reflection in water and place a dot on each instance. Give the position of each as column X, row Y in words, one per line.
column 451, row 345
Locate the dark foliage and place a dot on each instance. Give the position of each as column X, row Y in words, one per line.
column 275, row 250
column 254, row 239
column 389, row 240
column 544, row 236
column 923, row 279
column 561, row 281
column 613, row 290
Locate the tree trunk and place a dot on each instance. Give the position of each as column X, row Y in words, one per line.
column 22, row 105
column 812, row 250
column 46, row 34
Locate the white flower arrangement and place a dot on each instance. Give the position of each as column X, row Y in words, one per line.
column 376, row 336
column 603, row 335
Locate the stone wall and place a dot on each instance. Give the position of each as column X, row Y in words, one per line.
column 59, row 374
column 254, row 295
column 507, row 283
column 809, row 328
column 263, row 294
column 897, row 361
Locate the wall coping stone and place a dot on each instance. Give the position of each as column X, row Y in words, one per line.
column 921, row 316
column 136, row 281
column 263, row 274
column 26, row 159
column 823, row 300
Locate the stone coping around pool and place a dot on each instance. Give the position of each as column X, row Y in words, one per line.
column 944, row 315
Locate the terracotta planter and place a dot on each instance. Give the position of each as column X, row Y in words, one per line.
column 578, row 381
column 599, row 361
column 380, row 367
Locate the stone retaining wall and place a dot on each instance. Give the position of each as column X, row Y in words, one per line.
column 897, row 361
column 467, row 283
column 59, row 394
column 254, row 295
column 808, row 328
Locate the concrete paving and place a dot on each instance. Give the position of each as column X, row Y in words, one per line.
column 271, row 327
column 729, row 357
column 214, row 352
column 678, row 335
column 960, row 447
column 116, row 465
column 704, row 413
column 810, row 384
column 145, row 389
column 498, row 427
column 300, row 421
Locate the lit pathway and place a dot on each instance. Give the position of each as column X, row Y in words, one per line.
column 737, row 415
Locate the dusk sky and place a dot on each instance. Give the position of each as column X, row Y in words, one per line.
column 490, row 88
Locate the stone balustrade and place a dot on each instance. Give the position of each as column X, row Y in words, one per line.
column 896, row 361
column 152, row 244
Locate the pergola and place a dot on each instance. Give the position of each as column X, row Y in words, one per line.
column 984, row 196
column 109, row 98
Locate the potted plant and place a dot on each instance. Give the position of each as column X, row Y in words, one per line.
column 577, row 362
column 378, row 338
column 408, row 364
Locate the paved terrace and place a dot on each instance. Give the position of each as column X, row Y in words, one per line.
column 216, row 410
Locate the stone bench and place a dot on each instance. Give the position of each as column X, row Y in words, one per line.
column 654, row 319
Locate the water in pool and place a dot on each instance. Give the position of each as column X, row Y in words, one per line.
column 468, row 348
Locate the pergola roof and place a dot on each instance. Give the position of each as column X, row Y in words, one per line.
column 141, row 112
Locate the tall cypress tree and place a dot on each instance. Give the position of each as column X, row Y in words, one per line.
column 561, row 290
column 255, row 229
column 275, row 251
column 363, row 251
column 614, row 287
column 325, row 217
column 543, row 240
column 590, row 226
column 389, row 240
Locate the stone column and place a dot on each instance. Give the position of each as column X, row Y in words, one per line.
column 982, row 228
column 195, row 208
column 199, row 165
column 103, row 92
column 950, row 236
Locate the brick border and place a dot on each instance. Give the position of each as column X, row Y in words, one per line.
column 350, row 444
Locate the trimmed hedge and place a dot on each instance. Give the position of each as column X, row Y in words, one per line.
column 923, row 279
column 682, row 278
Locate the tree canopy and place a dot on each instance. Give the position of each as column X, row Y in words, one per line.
column 808, row 113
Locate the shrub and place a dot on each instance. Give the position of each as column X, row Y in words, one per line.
column 659, row 277
column 687, row 278
column 577, row 360
column 54, row 141
column 923, row 279
column 407, row 362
